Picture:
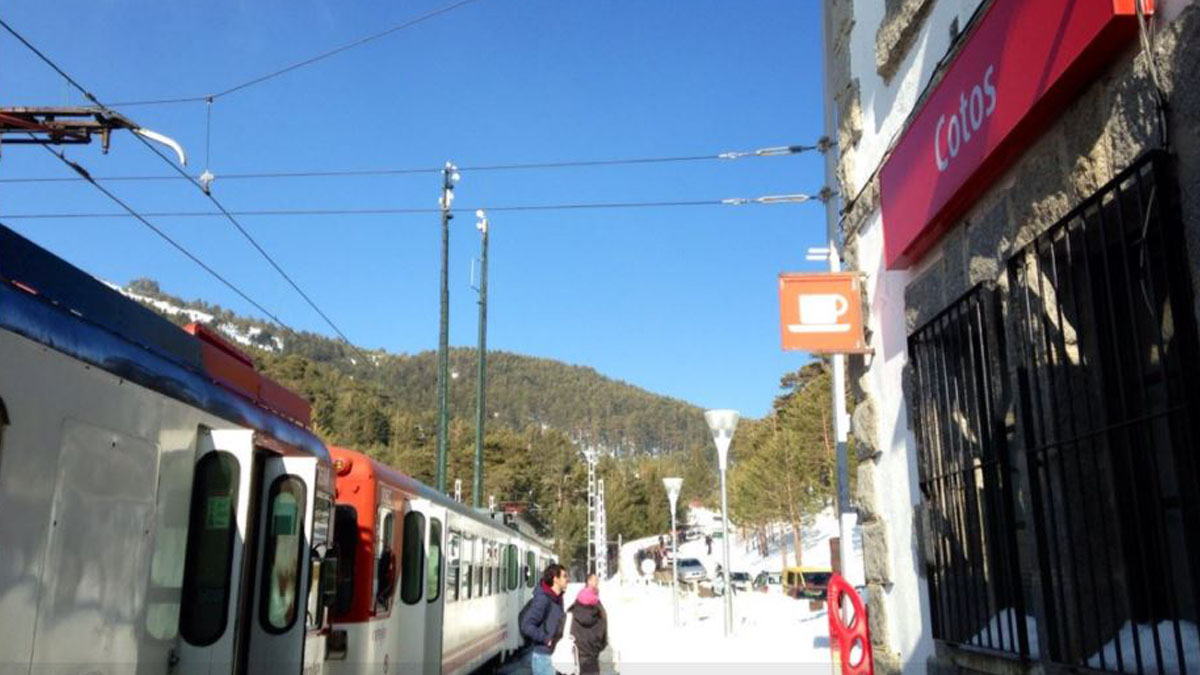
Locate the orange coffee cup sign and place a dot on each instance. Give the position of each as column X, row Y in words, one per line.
column 821, row 313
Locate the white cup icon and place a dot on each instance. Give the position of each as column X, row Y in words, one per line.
column 819, row 313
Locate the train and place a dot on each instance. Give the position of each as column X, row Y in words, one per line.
column 166, row 508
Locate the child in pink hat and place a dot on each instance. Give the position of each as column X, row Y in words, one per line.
column 589, row 625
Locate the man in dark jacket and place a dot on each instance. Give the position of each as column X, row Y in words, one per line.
column 589, row 625
column 542, row 625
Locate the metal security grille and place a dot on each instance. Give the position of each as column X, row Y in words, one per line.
column 972, row 566
column 1100, row 313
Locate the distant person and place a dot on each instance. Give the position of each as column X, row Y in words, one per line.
column 542, row 623
column 660, row 541
column 657, row 559
column 708, row 542
column 589, row 626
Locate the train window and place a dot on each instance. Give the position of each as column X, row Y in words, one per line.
column 204, row 602
column 502, row 585
column 433, row 566
column 412, row 572
column 385, row 561
column 488, row 549
column 318, row 573
column 345, row 535
column 511, row 559
column 468, row 568
column 281, row 563
column 452, row 566
column 530, row 569
column 480, row 569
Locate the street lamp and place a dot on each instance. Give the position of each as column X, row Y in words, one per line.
column 674, row 485
column 722, row 423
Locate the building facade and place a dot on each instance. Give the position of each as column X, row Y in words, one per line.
column 1020, row 189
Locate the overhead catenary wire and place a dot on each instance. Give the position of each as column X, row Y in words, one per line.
column 386, row 211
column 246, row 234
column 776, row 151
column 179, row 247
column 408, row 23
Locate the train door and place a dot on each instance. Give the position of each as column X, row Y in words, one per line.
column 409, row 617
column 248, row 558
column 278, row 625
column 435, row 569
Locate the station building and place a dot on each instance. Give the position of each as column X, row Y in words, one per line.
column 1020, row 190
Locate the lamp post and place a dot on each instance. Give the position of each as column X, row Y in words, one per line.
column 722, row 423
column 674, row 485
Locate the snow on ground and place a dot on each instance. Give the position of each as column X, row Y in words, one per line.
column 1144, row 645
column 772, row 633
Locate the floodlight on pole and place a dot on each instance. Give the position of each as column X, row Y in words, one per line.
column 481, row 380
column 674, row 485
column 722, row 424
column 449, row 178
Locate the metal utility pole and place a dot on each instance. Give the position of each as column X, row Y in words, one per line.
column 481, row 384
column 590, row 456
column 449, row 178
column 841, row 421
column 601, row 532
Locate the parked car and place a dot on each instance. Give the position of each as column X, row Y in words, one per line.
column 691, row 569
column 740, row 581
column 768, row 581
column 807, row 582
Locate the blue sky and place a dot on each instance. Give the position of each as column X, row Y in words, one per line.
column 680, row 301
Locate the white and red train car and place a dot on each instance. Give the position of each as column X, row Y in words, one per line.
column 425, row 585
column 162, row 505
column 165, row 509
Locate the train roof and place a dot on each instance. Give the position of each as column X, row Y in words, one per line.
column 50, row 301
column 413, row 486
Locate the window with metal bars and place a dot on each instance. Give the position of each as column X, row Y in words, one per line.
column 1101, row 315
column 971, row 564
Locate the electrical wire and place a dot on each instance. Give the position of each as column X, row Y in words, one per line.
column 768, row 200
column 130, row 212
column 306, row 62
column 764, row 152
column 184, row 174
column 253, row 242
column 1161, row 101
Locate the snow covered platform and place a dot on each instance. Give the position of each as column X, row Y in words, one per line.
column 772, row 633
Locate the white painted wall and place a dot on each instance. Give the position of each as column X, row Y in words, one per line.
column 907, row 605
